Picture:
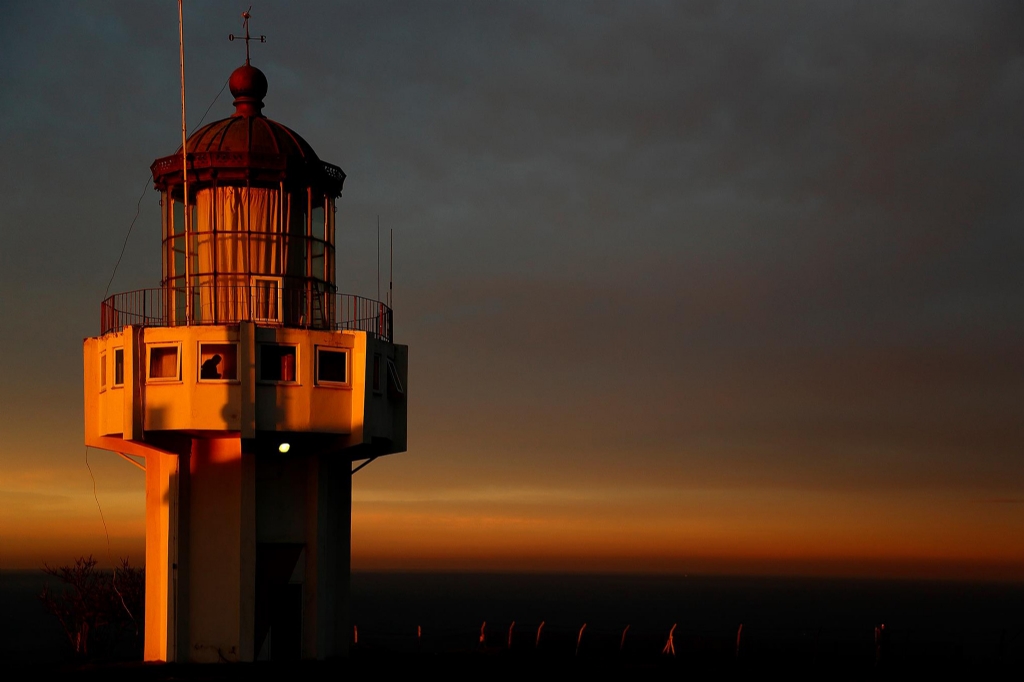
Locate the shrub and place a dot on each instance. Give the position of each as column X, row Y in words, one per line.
column 101, row 611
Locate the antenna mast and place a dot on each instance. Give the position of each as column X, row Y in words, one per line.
column 184, row 171
column 378, row 257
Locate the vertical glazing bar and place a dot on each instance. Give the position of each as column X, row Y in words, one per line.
column 248, row 261
column 214, row 196
column 308, row 248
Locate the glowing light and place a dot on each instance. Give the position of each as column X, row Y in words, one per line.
column 284, row 447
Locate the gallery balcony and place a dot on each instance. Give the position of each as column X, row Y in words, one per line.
column 264, row 303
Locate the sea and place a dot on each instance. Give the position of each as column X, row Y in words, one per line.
column 714, row 620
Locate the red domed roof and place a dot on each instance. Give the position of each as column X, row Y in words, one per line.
column 251, row 135
column 248, row 147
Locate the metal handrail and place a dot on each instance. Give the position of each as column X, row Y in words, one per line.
column 261, row 303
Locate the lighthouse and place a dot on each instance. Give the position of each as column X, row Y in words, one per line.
column 248, row 387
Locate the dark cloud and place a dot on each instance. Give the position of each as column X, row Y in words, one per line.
column 776, row 242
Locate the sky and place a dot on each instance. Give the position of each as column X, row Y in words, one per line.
column 687, row 287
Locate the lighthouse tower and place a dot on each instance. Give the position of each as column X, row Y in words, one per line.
column 248, row 386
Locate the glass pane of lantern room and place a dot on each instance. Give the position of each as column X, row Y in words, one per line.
column 318, row 222
column 298, row 204
column 266, row 294
column 317, row 270
column 178, row 245
column 178, row 218
column 165, row 227
column 331, row 210
column 330, row 220
column 318, row 231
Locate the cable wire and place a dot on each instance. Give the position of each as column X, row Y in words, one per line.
column 210, row 107
column 110, row 553
column 138, row 205
column 138, row 208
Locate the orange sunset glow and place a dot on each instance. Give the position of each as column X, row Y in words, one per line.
column 684, row 292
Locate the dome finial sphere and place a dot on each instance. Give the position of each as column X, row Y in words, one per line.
column 249, row 86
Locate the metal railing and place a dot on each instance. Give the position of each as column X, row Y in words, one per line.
column 263, row 302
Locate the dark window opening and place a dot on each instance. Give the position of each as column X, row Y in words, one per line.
column 331, row 365
column 277, row 363
column 395, row 388
column 376, row 372
column 119, row 366
column 266, row 295
column 218, row 361
column 163, row 362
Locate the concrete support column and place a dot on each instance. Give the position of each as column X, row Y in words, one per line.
column 328, row 557
column 217, row 596
column 161, row 555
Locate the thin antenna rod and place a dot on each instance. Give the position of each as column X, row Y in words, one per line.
column 391, row 276
column 378, row 256
column 184, row 168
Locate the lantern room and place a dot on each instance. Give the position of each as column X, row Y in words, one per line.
column 254, row 238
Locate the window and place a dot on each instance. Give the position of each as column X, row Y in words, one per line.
column 119, row 367
column 331, row 366
column 376, row 373
column 277, row 363
column 103, row 370
column 163, row 363
column 266, row 299
column 395, row 388
column 218, row 361
column 317, row 269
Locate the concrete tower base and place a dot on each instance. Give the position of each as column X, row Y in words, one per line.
column 247, row 554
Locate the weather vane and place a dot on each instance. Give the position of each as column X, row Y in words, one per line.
column 247, row 38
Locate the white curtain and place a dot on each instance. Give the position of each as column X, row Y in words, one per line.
column 234, row 211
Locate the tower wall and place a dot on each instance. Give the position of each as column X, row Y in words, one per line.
column 354, row 412
column 217, row 544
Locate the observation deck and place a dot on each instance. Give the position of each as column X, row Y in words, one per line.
column 230, row 304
